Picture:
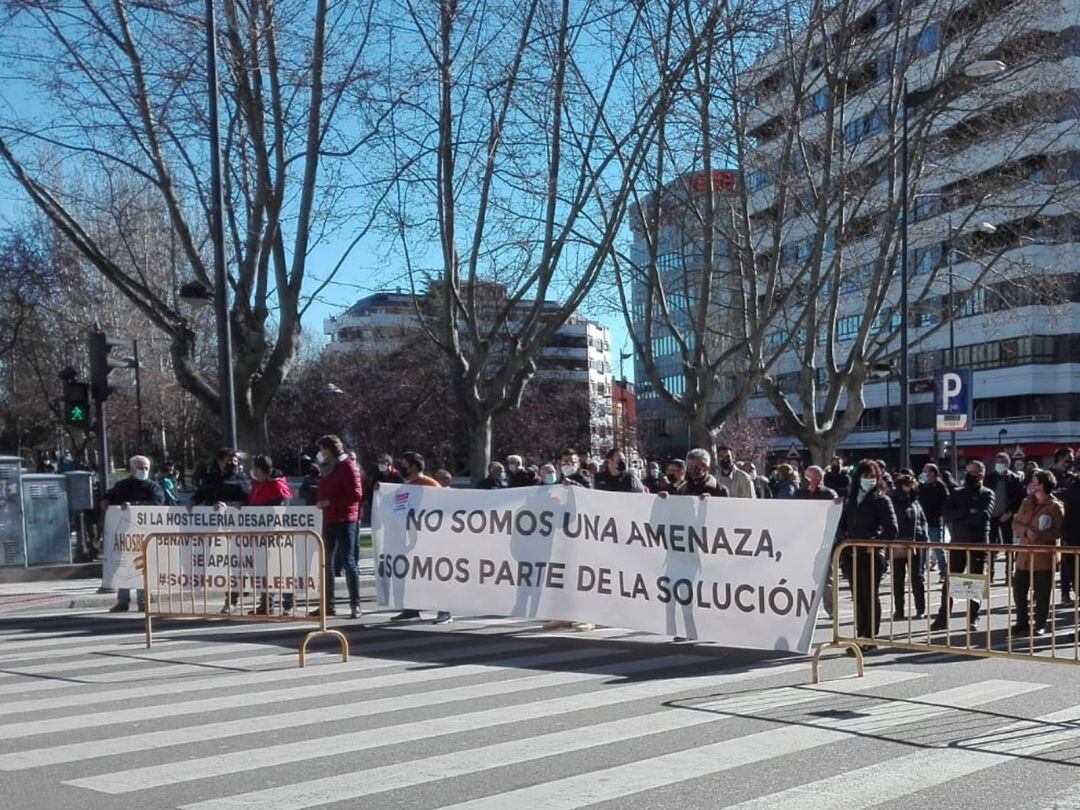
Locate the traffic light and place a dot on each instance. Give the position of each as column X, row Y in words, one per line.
column 77, row 404
column 102, row 362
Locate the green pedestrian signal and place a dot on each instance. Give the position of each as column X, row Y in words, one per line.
column 77, row 404
column 77, row 415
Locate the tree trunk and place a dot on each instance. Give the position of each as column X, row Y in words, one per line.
column 822, row 449
column 479, row 446
column 701, row 436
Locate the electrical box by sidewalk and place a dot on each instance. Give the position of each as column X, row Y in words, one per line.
column 80, row 490
column 12, row 534
column 46, row 519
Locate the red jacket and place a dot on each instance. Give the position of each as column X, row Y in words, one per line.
column 271, row 492
column 343, row 490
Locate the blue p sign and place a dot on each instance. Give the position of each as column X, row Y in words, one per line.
column 953, row 399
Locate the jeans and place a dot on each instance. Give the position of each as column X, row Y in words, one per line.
column 937, row 535
column 1022, row 581
column 123, row 597
column 342, row 548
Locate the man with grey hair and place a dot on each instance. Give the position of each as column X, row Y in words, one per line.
column 494, row 478
column 139, row 490
column 815, row 489
column 738, row 483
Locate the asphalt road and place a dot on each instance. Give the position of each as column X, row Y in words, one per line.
column 495, row 713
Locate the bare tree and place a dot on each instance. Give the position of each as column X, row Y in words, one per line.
column 123, row 105
column 811, row 223
column 517, row 153
column 678, row 286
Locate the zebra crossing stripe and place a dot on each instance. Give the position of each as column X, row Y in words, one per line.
column 902, row 776
column 361, row 783
column 78, row 752
column 216, row 654
column 668, row 769
column 270, row 695
column 289, row 753
column 136, row 641
column 247, row 679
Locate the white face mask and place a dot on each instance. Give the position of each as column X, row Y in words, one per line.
column 867, row 484
column 549, row 478
column 923, row 478
column 568, row 470
column 512, row 467
column 1000, row 468
column 384, row 468
column 324, row 457
column 141, row 475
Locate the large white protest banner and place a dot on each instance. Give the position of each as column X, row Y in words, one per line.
column 744, row 573
column 215, row 549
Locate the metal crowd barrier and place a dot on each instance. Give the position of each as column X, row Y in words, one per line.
column 244, row 593
column 892, row 608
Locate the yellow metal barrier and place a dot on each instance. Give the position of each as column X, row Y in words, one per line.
column 1022, row 620
column 247, row 592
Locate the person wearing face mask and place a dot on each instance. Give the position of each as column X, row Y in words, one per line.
column 340, row 494
column 1038, row 522
column 496, row 477
column 1063, row 467
column 136, row 490
column 737, row 483
column 615, row 477
column 673, row 477
column 548, row 475
column 762, row 485
column 911, row 525
column 868, row 515
column 969, row 512
column 815, row 489
column 698, row 480
column 933, row 494
column 168, row 484
column 570, row 472
column 518, row 475
column 651, row 481
column 309, row 485
column 1009, row 492
column 269, row 488
column 786, row 487
column 223, row 482
column 837, row 477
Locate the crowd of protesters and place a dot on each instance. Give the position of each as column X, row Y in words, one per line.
column 1015, row 502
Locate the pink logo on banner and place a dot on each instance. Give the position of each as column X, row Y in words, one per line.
column 401, row 503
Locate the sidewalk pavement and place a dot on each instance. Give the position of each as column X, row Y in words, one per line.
column 68, row 594
column 83, row 593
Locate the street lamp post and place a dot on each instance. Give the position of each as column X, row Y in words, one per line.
column 909, row 100
column 226, row 387
column 886, row 371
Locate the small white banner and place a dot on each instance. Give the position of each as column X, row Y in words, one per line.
column 194, row 557
column 743, row 573
column 973, row 587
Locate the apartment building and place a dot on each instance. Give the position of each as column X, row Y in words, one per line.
column 579, row 354
column 993, row 222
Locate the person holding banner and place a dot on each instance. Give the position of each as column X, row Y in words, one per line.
column 868, row 515
column 269, row 488
column 615, row 477
column 699, row 481
column 137, row 490
column 412, row 465
column 339, row 495
column 570, row 472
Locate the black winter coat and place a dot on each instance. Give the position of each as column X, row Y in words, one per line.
column 969, row 511
column 872, row 519
column 1015, row 491
column 933, row 496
